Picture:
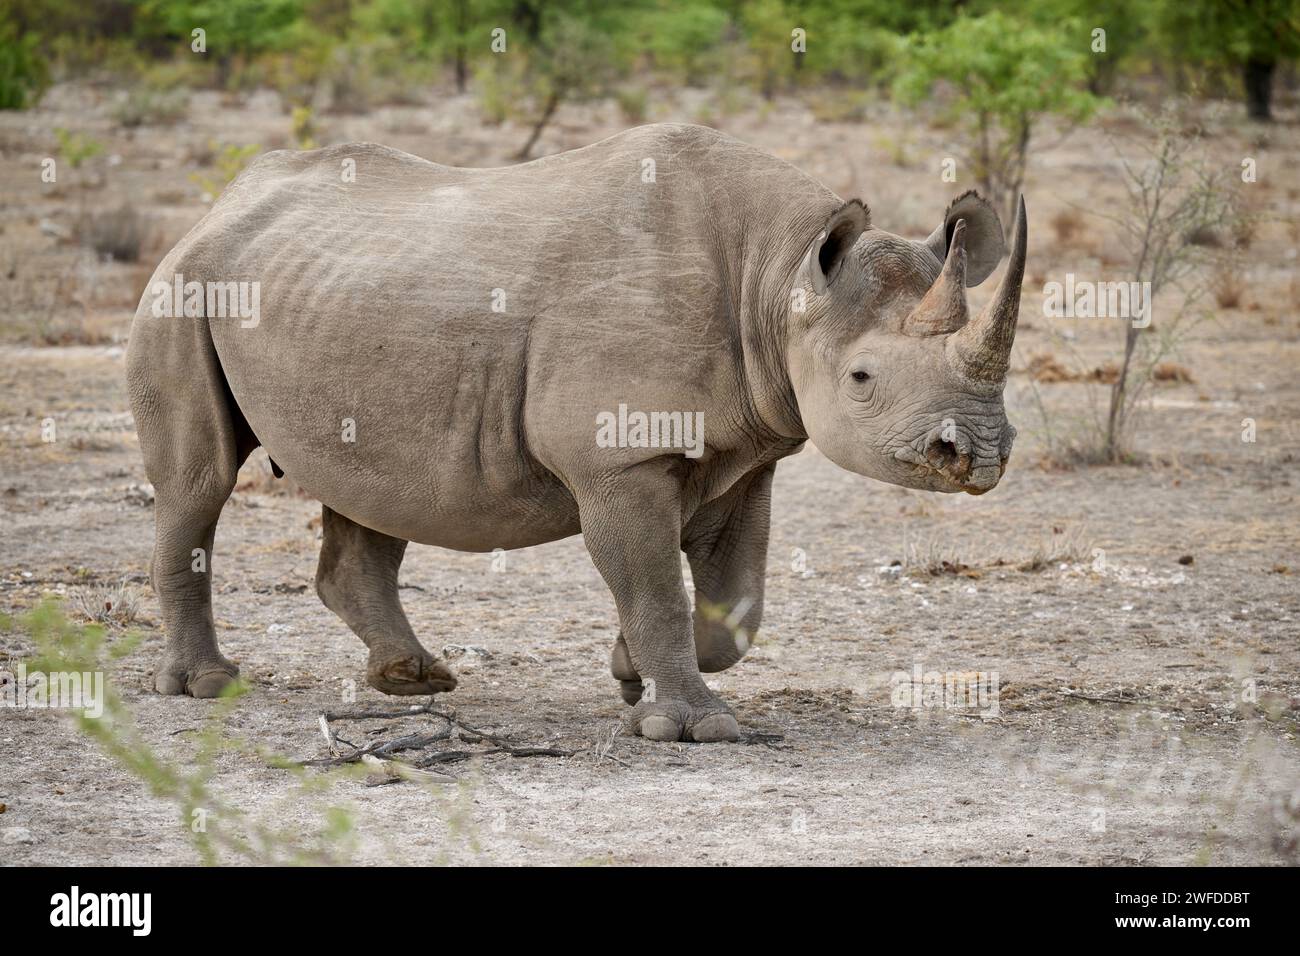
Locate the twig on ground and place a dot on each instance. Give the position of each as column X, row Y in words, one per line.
column 1111, row 700
column 371, row 753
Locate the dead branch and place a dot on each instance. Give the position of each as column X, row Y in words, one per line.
column 380, row 750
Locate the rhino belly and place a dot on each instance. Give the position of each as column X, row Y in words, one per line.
column 417, row 436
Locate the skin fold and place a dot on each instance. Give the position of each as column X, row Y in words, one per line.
column 435, row 346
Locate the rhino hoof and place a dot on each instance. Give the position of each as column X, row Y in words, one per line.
column 202, row 680
column 659, row 727
column 410, row 675
column 671, row 723
column 716, row 727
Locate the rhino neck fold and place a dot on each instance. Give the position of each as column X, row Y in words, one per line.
column 770, row 269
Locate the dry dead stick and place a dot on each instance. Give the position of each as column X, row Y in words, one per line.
column 420, row 741
column 1115, row 700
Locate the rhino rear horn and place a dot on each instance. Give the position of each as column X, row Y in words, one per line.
column 943, row 309
column 982, row 348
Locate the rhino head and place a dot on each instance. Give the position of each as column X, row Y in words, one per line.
column 894, row 378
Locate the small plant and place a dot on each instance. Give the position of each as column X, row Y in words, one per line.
column 1228, row 286
column 1066, row 225
column 75, row 149
column 633, row 103
column 303, row 126
column 1177, row 196
column 229, row 162
column 220, row 831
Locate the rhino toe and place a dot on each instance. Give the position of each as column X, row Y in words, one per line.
column 715, row 727
column 660, row 727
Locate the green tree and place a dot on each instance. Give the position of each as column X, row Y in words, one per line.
column 23, row 74
column 573, row 50
column 235, row 30
column 453, row 32
column 1000, row 77
column 1250, row 37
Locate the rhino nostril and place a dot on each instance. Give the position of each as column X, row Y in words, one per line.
column 941, row 454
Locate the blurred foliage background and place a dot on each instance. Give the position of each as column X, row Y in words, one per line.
column 353, row 54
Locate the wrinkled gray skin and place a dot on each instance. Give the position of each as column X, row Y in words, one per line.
column 475, row 429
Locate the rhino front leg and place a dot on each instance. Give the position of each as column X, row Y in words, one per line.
column 357, row 580
column 726, row 545
column 632, row 529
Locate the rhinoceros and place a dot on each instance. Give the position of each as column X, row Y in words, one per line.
column 468, row 358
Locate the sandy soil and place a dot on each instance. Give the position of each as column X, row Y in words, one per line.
column 1142, row 620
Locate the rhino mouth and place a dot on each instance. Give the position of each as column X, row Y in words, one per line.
column 951, row 460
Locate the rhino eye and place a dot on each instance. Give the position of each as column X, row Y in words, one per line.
column 860, row 376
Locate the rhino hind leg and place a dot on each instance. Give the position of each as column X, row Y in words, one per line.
column 357, row 580
column 193, row 439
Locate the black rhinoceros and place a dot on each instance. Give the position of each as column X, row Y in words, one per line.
column 496, row 358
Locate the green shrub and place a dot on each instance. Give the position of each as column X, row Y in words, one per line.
column 999, row 77
column 23, row 73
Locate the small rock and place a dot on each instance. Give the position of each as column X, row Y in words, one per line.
column 52, row 228
column 12, row 835
column 1187, row 559
column 139, row 494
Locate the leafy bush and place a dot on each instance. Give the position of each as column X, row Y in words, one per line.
column 76, row 148
column 23, row 73
column 1000, row 77
column 229, row 162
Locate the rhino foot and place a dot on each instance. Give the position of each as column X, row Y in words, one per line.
column 670, row 720
column 408, row 673
column 199, row 679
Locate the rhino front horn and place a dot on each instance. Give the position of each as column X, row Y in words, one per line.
column 982, row 348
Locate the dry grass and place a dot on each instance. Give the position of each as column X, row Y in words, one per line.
column 1172, row 373
column 1065, row 546
column 115, row 605
column 934, row 556
column 1228, row 287
column 1067, row 224
column 1047, row 368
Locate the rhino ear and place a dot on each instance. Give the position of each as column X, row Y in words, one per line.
column 984, row 242
column 833, row 243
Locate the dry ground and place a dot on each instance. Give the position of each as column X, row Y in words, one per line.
column 1066, row 582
